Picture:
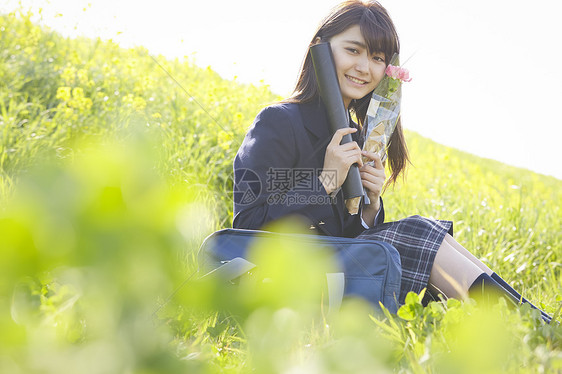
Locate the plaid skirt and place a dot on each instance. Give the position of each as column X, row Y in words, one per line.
column 417, row 239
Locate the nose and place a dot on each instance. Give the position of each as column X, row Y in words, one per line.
column 362, row 63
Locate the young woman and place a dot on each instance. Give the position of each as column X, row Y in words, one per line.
column 290, row 165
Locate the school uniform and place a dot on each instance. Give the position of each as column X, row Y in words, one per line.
column 276, row 175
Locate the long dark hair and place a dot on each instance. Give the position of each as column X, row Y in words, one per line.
column 379, row 33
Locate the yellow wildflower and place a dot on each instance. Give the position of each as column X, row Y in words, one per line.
column 69, row 75
column 138, row 103
column 77, row 92
column 63, row 93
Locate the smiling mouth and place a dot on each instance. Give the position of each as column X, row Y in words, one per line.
column 356, row 80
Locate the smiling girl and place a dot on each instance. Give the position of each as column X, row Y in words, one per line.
column 290, row 165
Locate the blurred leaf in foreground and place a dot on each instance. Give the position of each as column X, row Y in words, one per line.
column 88, row 247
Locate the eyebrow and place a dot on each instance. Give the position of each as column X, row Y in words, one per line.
column 357, row 43
column 362, row 45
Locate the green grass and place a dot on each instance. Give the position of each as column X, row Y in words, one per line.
column 112, row 176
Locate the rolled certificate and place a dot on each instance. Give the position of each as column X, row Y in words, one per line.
column 330, row 94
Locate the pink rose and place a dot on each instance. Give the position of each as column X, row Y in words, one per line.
column 396, row 72
column 392, row 71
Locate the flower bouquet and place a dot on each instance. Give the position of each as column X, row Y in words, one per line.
column 382, row 115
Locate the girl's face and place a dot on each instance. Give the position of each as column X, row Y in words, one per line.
column 358, row 71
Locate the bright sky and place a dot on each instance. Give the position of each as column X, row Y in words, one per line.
column 486, row 74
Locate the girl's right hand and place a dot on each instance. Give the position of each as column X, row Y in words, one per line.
column 338, row 159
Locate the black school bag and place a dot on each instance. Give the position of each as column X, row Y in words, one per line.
column 370, row 269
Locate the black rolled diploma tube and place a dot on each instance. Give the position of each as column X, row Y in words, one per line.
column 330, row 93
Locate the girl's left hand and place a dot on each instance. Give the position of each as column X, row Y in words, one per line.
column 373, row 176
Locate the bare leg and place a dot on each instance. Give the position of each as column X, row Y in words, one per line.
column 462, row 250
column 453, row 273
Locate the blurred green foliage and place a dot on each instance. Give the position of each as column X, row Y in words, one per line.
column 111, row 177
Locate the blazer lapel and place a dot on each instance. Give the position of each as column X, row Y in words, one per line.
column 316, row 125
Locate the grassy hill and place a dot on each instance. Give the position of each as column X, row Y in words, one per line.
column 112, row 174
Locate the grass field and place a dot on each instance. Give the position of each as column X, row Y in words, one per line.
column 111, row 177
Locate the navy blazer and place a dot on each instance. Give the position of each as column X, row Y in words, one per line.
column 276, row 172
